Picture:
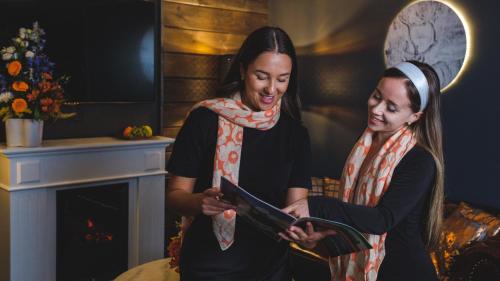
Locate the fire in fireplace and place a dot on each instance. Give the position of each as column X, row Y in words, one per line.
column 92, row 232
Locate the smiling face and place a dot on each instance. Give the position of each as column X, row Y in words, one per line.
column 266, row 80
column 389, row 108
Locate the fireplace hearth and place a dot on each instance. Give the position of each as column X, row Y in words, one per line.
column 81, row 209
column 92, row 233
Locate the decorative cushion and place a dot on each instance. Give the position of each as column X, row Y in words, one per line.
column 325, row 187
column 479, row 261
column 317, row 187
column 463, row 226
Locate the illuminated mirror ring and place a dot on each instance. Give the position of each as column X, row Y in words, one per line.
column 432, row 32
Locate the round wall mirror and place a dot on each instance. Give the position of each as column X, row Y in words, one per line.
column 430, row 32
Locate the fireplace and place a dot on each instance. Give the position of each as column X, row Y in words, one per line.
column 81, row 209
column 92, row 232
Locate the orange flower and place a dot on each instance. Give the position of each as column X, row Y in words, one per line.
column 46, row 101
column 33, row 95
column 20, row 86
column 174, row 250
column 19, row 105
column 14, row 68
column 46, row 76
column 45, row 86
column 56, row 107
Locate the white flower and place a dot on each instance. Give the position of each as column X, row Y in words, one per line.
column 6, row 56
column 24, row 43
column 10, row 49
column 29, row 54
column 6, row 97
column 22, row 32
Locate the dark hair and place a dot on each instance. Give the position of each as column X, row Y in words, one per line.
column 262, row 40
column 429, row 135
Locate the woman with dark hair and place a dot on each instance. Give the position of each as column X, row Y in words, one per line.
column 252, row 135
column 392, row 182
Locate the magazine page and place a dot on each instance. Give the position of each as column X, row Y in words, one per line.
column 272, row 220
column 268, row 218
column 347, row 240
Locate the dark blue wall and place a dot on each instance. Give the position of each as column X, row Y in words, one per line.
column 471, row 108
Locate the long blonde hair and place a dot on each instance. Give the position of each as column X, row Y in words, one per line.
column 429, row 136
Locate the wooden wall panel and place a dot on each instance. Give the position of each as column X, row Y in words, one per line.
column 175, row 113
column 195, row 34
column 190, row 66
column 200, row 42
column 189, row 90
column 171, row 132
column 210, row 19
column 253, row 6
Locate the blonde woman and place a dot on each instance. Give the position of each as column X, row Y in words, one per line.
column 392, row 182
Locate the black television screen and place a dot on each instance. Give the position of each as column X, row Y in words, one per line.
column 109, row 48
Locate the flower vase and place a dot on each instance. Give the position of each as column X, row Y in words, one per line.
column 23, row 132
column 33, row 132
column 14, row 132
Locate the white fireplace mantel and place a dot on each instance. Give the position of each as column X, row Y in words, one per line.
column 30, row 178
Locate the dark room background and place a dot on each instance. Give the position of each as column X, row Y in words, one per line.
column 340, row 46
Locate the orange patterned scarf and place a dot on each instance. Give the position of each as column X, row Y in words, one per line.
column 367, row 189
column 233, row 116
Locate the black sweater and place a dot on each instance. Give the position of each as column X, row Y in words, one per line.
column 400, row 212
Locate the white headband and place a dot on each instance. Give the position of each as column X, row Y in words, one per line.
column 418, row 79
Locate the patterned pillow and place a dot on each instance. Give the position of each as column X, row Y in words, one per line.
column 463, row 226
column 317, row 187
column 325, row 187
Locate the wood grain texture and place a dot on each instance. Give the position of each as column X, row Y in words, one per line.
column 210, row 19
column 200, row 42
column 171, row 132
column 188, row 90
column 190, row 66
column 253, row 6
column 175, row 113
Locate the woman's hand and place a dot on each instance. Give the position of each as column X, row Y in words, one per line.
column 212, row 204
column 307, row 239
column 298, row 209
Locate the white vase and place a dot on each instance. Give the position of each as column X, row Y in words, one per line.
column 14, row 132
column 33, row 132
column 23, row 132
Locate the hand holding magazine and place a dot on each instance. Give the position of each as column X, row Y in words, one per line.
column 272, row 220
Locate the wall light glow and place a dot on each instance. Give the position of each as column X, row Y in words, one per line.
column 468, row 47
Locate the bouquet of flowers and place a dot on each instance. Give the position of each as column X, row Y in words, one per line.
column 28, row 89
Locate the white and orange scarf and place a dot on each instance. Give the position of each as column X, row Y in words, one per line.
column 367, row 189
column 233, row 116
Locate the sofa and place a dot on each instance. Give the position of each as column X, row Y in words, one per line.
column 469, row 247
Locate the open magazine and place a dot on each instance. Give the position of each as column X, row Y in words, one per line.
column 272, row 220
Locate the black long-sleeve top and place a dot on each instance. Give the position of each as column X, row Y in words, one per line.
column 272, row 161
column 401, row 213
